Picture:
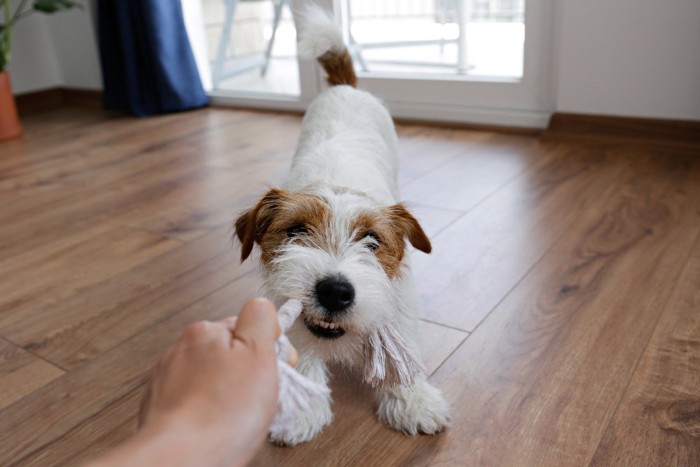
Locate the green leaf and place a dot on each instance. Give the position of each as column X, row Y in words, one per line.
column 52, row 6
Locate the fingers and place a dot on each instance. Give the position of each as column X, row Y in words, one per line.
column 257, row 323
column 202, row 332
column 229, row 323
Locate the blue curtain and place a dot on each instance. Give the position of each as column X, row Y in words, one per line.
column 147, row 62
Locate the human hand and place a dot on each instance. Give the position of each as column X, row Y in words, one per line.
column 212, row 396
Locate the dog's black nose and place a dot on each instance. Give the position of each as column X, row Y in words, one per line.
column 335, row 294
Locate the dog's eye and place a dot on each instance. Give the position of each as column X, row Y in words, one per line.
column 296, row 229
column 374, row 242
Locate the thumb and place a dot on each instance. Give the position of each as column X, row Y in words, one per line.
column 257, row 324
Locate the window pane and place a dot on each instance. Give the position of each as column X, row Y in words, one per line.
column 238, row 48
column 470, row 38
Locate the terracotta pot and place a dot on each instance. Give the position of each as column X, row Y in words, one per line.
column 9, row 122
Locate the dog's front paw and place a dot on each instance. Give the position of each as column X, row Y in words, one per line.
column 413, row 409
column 305, row 427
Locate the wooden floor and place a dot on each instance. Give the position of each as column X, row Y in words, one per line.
column 561, row 305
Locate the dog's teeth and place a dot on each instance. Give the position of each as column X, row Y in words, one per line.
column 323, row 324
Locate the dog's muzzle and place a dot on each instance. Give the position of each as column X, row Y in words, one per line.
column 335, row 295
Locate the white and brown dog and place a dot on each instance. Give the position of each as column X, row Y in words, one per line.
column 334, row 238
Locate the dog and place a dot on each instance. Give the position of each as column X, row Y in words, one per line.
column 334, row 237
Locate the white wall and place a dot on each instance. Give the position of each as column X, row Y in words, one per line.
column 76, row 48
column 629, row 58
column 55, row 50
column 33, row 65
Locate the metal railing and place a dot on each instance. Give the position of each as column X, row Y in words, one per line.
column 444, row 11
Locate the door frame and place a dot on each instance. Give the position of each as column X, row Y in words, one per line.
column 526, row 102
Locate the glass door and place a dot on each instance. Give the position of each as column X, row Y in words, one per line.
column 248, row 56
column 473, row 61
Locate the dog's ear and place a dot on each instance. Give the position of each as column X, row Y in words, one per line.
column 252, row 224
column 409, row 227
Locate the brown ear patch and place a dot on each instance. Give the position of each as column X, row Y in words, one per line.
column 410, row 227
column 268, row 223
column 391, row 227
column 252, row 224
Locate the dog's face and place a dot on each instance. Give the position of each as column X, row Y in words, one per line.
column 335, row 250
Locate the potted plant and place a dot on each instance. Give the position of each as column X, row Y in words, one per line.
column 9, row 123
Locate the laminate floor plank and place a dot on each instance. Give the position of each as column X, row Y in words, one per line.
column 73, row 329
column 539, row 380
column 480, row 257
column 40, row 425
column 422, row 150
column 108, row 408
column 36, row 210
column 253, row 143
column 88, row 156
column 21, row 373
column 33, row 151
column 48, row 279
column 558, row 306
column 463, row 182
column 45, row 129
column 148, row 193
column 437, row 343
column 123, row 157
column 212, row 204
column 658, row 419
column 433, row 220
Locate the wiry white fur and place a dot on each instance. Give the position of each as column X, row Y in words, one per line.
column 416, row 408
column 317, row 31
column 348, row 141
column 343, row 134
column 296, row 270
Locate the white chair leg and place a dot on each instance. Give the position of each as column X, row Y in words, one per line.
column 278, row 15
column 223, row 42
column 354, row 47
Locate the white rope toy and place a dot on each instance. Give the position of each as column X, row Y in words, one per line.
column 297, row 393
column 388, row 362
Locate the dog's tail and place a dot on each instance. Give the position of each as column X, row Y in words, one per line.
column 320, row 38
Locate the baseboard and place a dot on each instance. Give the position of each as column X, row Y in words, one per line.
column 492, row 119
column 52, row 98
column 605, row 129
column 458, row 125
column 38, row 100
column 503, row 121
column 83, row 97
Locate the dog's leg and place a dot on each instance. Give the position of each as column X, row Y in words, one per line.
column 415, row 408
column 418, row 407
column 314, row 420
